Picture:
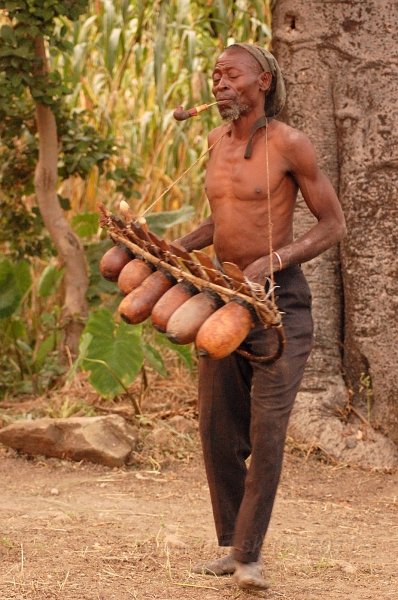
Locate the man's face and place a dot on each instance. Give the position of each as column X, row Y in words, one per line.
column 236, row 83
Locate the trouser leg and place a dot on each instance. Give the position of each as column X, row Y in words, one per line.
column 224, row 422
column 244, row 408
column 274, row 389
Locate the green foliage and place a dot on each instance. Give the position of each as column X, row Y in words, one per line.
column 49, row 281
column 29, row 360
column 113, row 356
column 183, row 352
column 100, row 291
column 160, row 222
column 69, row 408
column 15, row 280
column 19, row 64
column 82, row 147
column 114, row 353
column 116, row 74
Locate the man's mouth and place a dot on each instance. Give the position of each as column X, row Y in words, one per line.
column 223, row 100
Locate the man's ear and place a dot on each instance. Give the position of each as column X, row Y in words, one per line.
column 265, row 80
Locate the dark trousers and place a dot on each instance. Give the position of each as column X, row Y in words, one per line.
column 244, row 408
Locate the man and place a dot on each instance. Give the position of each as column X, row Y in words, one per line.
column 244, row 406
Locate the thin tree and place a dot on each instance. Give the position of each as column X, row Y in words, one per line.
column 28, row 27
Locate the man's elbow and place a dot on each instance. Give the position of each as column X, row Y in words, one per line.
column 337, row 231
column 341, row 230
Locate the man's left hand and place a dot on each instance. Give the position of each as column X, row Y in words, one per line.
column 259, row 270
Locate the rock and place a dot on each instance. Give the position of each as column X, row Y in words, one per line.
column 182, row 424
column 173, row 541
column 107, row 440
column 160, row 436
column 350, row 442
column 348, row 568
column 54, row 492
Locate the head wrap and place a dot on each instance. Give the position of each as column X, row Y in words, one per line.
column 275, row 97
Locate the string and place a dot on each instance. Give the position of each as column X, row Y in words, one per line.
column 183, row 174
column 271, row 277
column 257, row 290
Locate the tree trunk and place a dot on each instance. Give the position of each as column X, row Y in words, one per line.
column 67, row 242
column 335, row 57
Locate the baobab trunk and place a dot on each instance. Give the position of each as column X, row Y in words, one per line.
column 68, row 244
column 339, row 60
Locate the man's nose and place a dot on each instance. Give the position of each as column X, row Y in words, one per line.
column 223, row 83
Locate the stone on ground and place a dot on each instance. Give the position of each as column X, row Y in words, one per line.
column 107, row 440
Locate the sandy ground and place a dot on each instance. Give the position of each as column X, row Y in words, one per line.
column 86, row 532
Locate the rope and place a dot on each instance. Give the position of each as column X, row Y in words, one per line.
column 183, row 174
column 257, row 290
column 271, row 278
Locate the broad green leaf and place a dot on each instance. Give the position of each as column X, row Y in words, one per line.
column 184, row 352
column 8, row 35
column 85, row 341
column 49, row 281
column 159, row 222
column 46, row 346
column 15, row 280
column 85, row 224
column 23, row 276
column 114, row 355
column 154, row 359
column 25, row 347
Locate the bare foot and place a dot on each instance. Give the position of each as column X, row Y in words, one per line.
column 248, row 576
column 221, row 566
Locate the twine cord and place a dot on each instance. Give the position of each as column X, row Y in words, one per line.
column 257, row 290
column 183, row 175
column 271, row 277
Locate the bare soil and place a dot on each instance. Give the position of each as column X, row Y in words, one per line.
column 79, row 531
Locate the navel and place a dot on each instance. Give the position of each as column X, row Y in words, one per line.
column 258, row 190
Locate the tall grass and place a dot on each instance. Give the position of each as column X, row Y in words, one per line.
column 132, row 63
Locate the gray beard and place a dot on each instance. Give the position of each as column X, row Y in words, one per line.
column 232, row 113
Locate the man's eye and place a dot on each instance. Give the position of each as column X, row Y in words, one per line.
column 216, row 79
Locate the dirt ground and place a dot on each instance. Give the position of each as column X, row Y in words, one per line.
column 79, row 531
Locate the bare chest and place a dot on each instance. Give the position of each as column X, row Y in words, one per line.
column 230, row 176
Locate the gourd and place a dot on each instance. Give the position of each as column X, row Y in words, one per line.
column 224, row 330
column 170, row 302
column 133, row 274
column 185, row 323
column 137, row 306
column 113, row 262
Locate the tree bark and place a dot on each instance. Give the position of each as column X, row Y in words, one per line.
column 336, row 57
column 68, row 244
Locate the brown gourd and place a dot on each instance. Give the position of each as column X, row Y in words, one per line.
column 170, row 302
column 185, row 323
column 138, row 304
column 113, row 262
column 225, row 330
column 133, row 274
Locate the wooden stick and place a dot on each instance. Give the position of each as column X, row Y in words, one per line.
column 210, row 269
column 268, row 314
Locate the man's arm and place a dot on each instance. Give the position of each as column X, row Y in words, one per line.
column 321, row 200
column 199, row 238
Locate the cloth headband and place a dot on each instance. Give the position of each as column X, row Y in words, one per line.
column 275, row 98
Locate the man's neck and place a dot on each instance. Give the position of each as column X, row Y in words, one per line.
column 241, row 128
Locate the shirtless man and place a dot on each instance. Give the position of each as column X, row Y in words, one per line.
column 244, row 406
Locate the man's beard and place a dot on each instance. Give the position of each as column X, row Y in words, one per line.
column 233, row 112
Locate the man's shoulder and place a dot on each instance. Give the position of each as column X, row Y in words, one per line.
column 296, row 148
column 214, row 134
column 288, row 136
